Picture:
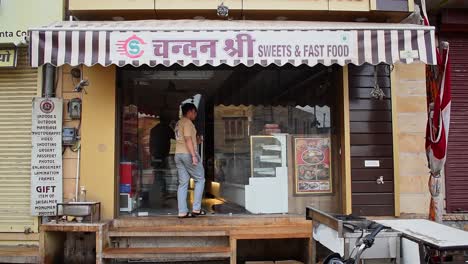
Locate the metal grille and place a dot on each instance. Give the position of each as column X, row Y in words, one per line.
column 17, row 88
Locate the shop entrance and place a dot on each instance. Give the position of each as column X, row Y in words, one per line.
column 248, row 119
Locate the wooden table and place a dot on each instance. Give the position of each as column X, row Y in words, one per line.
column 52, row 238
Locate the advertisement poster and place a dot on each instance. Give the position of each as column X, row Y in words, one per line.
column 312, row 165
column 46, row 161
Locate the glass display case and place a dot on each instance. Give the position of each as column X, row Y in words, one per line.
column 267, row 191
column 267, row 154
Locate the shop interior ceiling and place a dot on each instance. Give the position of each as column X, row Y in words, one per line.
column 155, row 90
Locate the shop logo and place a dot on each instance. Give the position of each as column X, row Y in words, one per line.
column 344, row 38
column 47, row 106
column 131, row 47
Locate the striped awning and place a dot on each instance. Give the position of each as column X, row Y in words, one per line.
column 213, row 42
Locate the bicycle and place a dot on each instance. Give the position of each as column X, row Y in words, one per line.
column 365, row 243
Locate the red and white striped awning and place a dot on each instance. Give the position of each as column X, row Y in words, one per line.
column 213, row 42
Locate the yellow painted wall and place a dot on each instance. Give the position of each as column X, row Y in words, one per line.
column 64, row 90
column 196, row 5
column 98, row 138
column 111, row 5
column 286, row 5
column 97, row 131
column 353, row 5
column 187, row 5
column 17, row 16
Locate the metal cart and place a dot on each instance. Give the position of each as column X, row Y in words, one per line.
column 339, row 233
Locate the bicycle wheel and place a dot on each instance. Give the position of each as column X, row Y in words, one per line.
column 334, row 258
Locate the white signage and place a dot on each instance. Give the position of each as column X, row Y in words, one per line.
column 372, row 163
column 409, row 54
column 232, row 47
column 46, row 161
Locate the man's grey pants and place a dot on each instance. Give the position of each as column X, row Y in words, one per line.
column 185, row 170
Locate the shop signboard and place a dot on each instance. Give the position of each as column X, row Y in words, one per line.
column 17, row 16
column 8, row 57
column 165, row 42
column 234, row 47
column 46, row 161
column 312, row 165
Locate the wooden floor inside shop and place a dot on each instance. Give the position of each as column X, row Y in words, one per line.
column 233, row 239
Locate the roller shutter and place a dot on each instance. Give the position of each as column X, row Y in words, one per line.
column 457, row 167
column 17, row 88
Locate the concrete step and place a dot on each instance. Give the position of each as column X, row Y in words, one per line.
column 167, row 254
column 19, row 254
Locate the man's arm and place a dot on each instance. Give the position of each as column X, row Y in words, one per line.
column 171, row 132
column 189, row 145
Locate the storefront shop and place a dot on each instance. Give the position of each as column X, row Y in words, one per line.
column 284, row 111
column 292, row 114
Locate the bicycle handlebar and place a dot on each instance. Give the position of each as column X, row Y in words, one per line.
column 367, row 242
column 376, row 231
column 369, row 239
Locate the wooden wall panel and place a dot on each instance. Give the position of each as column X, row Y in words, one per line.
column 371, row 139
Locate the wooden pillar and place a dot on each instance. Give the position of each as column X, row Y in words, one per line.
column 346, row 145
column 233, row 245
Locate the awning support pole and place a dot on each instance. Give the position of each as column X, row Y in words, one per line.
column 49, row 79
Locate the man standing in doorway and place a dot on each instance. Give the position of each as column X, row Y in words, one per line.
column 188, row 162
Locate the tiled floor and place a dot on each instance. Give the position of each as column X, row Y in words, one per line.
column 210, row 205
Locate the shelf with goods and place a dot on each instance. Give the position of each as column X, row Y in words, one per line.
column 129, row 165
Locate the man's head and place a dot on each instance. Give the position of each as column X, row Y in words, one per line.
column 189, row 111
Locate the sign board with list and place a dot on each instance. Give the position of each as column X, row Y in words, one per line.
column 46, row 161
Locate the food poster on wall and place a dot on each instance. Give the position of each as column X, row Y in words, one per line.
column 312, row 165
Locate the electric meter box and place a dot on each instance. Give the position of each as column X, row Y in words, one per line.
column 69, row 136
column 74, row 108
